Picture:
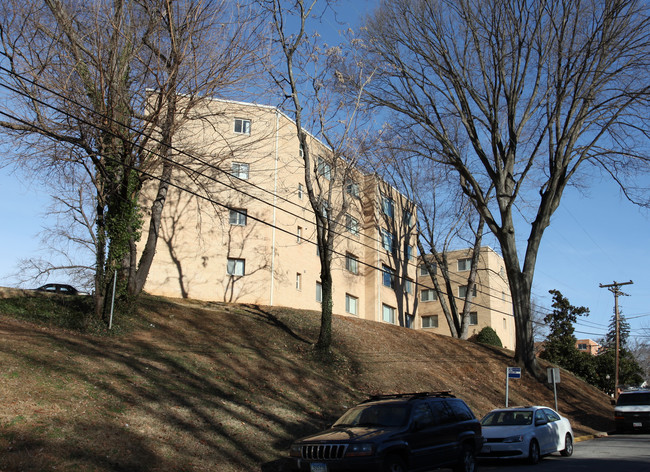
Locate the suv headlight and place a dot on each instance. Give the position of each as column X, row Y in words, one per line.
column 356, row 450
column 296, row 450
column 514, row 439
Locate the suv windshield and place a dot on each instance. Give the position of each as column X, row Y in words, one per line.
column 508, row 418
column 375, row 415
column 637, row 398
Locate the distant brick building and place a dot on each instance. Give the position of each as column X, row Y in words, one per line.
column 589, row 346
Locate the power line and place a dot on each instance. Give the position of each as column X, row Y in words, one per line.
column 195, row 172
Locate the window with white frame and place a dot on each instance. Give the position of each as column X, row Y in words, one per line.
column 239, row 170
column 388, row 206
column 352, row 188
column 301, row 191
column 319, row 292
column 473, row 318
column 388, row 276
column 462, row 291
column 242, row 126
column 430, row 321
column 238, row 217
column 464, row 264
column 352, row 224
column 388, row 314
column 298, row 281
column 424, row 271
column 236, row 267
column 351, row 304
column 409, row 286
column 324, row 168
column 351, row 263
column 299, row 234
column 428, row 295
column 386, row 240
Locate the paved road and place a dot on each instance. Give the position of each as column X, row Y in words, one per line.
column 628, row 453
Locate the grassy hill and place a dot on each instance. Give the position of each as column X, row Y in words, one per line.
column 210, row 386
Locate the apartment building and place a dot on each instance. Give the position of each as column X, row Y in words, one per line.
column 491, row 301
column 243, row 230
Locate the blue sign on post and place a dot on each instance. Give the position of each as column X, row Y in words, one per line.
column 511, row 373
column 514, row 372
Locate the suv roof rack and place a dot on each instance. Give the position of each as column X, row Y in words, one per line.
column 410, row 396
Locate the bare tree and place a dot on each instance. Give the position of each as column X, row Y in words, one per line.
column 445, row 221
column 103, row 87
column 315, row 93
column 517, row 97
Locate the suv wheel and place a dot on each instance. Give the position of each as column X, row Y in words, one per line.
column 568, row 446
column 533, row 452
column 467, row 460
column 394, row 463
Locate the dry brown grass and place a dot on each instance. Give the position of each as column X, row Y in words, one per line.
column 223, row 387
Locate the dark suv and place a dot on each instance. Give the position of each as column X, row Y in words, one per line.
column 395, row 433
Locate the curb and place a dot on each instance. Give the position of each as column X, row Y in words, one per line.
column 590, row 436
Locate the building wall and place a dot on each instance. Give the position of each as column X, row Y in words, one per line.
column 492, row 303
column 281, row 267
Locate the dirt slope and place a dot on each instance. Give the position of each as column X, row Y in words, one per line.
column 227, row 387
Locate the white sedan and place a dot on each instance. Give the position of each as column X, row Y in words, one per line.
column 525, row 433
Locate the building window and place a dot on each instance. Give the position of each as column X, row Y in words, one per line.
column 462, row 291
column 473, row 318
column 430, row 321
column 351, row 263
column 319, row 292
column 582, row 347
column 407, row 217
column 324, row 168
column 352, row 188
column 388, row 314
column 388, row 206
column 239, row 170
column 409, row 286
column 504, row 324
column 352, row 224
column 423, row 269
column 428, row 295
column 386, row 240
column 299, row 234
column 325, row 209
column 388, row 276
column 351, row 304
column 298, row 281
column 238, row 217
column 242, row 126
column 410, row 321
column 464, row 264
column 301, row 191
column 409, row 253
column 236, row 267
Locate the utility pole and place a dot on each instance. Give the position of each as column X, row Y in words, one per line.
column 615, row 289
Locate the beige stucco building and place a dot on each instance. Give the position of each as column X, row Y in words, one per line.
column 491, row 301
column 242, row 229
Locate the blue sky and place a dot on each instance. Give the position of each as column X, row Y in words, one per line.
column 596, row 237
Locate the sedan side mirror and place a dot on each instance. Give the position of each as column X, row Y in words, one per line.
column 540, row 422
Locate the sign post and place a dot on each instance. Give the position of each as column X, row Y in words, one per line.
column 553, row 374
column 511, row 373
